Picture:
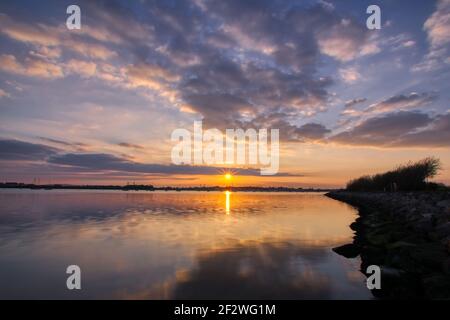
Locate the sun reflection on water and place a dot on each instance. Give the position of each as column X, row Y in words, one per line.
column 227, row 202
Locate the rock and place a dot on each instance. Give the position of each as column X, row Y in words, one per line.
column 442, row 218
column 437, row 286
column 424, row 225
column 446, row 243
column 347, row 250
column 378, row 238
column 372, row 255
column 443, row 230
column 391, row 272
column 446, row 266
column 430, row 255
column 408, row 235
column 401, row 245
column 444, row 204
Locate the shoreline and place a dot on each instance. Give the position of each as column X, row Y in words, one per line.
column 407, row 234
column 151, row 188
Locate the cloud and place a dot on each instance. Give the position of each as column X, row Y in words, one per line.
column 31, row 67
column 46, row 52
column 90, row 50
column 349, row 109
column 3, row 93
column 153, row 77
column 235, row 72
column 437, row 27
column 39, row 34
column 50, row 38
column 83, row 68
column 346, row 40
column 43, row 155
column 212, row 106
column 283, row 77
column 408, row 44
column 436, row 135
column 400, row 129
column 350, row 75
column 399, row 42
column 20, row 150
column 130, row 145
column 312, row 131
column 206, row 58
column 403, row 101
column 252, row 69
column 77, row 145
column 107, row 162
column 225, row 92
column 16, row 150
column 353, row 102
column 288, row 132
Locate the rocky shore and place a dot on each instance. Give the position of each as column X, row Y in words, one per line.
column 408, row 236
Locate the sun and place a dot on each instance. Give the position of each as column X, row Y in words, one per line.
column 228, row 175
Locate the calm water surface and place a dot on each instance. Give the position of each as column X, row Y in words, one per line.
column 132, row 245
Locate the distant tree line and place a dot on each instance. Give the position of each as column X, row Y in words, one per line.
column 137, row 187
column 18, row 185
column 412, row 176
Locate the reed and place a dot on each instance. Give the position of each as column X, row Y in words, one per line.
column 412, row 176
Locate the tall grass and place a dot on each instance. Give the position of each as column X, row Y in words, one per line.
column 407, row 177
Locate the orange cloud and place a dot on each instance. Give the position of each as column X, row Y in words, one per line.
column 42, row 35
column 30, row 67
column 83, row 68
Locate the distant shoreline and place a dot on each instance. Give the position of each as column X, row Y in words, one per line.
column 136, row 187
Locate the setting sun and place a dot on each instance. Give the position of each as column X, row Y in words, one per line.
column 228, row 176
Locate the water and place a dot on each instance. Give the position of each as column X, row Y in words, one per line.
column 132, row 245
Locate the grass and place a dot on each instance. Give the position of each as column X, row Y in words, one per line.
column 407, row 177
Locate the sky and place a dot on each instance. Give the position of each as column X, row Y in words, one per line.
column 98, row 105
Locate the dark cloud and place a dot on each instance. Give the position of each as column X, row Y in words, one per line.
column 60, row 142
column 404, row 101
column 219, row 110
column 353, row 102
column 108, row 162
column 280, row 50
column 238, row 61
column 312, row 131
column 288, row 132
column 244, row 96
column 20, row 150
column 230, row 61
column 43, row 157
column 130, row 145
column 78, row 145
column 400, row 129
column 437, row 135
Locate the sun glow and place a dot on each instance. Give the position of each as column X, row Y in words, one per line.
column 228, row 176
